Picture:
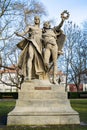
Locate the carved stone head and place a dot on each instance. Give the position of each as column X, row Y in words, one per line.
column 37, row 20
column 47, row 25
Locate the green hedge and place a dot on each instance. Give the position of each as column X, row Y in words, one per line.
column 75, row 95
column 5, row 95
column 70, row 95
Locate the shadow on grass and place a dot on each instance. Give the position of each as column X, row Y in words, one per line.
column 57, row 127
column 3, row 120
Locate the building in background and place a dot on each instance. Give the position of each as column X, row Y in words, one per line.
column 6, row 85
column 73, row 88
column 83, row 83
column 83, row 76
column 7, row 77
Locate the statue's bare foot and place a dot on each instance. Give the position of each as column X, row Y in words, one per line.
column 54, row 82
column 27, row 79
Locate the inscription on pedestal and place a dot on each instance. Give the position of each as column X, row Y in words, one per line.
column 42, row 88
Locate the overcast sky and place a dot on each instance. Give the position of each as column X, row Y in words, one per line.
column 76, row 8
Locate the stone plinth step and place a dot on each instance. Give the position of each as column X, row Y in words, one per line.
column 42, row 95
column 41, row 103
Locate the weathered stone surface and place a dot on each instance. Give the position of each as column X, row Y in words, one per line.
column 43, row 106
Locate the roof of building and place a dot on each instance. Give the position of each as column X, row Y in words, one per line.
column 71, row 85
column 10, row 69
column 58, row 73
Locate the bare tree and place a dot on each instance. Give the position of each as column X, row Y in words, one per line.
column 75, row 55
column 84, row 27
column 4, row 4
column 15, row 16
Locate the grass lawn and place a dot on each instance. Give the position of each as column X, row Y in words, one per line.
column 6, row 106
column 78, row 104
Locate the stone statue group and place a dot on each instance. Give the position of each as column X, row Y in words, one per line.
column 40, row 49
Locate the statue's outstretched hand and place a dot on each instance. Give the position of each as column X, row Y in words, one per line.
column 65, row 15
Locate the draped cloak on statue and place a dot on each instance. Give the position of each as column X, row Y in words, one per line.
column 38, row 64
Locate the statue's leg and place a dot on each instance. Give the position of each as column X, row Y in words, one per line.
column 54, row 56
column 47, row 54
column 29, row 63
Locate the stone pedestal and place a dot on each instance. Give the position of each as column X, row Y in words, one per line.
column 41, row 103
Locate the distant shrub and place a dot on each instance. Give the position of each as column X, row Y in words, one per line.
column 75, row 95
column 11, row 95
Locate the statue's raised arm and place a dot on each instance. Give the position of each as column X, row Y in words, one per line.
column 64, row 16
column 54, row 40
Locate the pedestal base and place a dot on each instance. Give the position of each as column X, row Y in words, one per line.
column 41, row 103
